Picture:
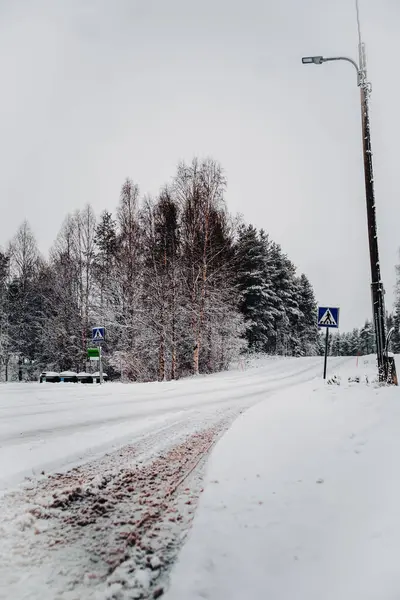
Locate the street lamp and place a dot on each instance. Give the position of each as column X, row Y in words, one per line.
column 318, row 60
column 308, row 60
column 386, row 372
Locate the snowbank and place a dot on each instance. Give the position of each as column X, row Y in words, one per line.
column 301, row 500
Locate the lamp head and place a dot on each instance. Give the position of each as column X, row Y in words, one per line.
column 310, row 60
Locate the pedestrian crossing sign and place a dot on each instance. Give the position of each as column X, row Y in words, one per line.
column 98, row 334
column 328, row 316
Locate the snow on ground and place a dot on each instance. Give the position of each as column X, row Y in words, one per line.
column 301, row 499
column 44, row 427
column 122, row 472
column 112, row 477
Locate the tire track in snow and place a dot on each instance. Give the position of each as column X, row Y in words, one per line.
column 111, row 527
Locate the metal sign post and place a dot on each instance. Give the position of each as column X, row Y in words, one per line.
column 100, row 367
column 326, row 351
column 98, row 336
column 328, row 317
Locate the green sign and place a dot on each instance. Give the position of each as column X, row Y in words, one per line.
column 93, row 353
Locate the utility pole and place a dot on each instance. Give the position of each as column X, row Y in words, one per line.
column 377, row 289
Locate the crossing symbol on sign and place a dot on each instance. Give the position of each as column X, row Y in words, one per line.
column 328, row 317
column 98, row 334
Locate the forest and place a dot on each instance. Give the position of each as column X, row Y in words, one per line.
column 182, row 286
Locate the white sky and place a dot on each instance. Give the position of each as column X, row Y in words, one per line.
column 93, row 91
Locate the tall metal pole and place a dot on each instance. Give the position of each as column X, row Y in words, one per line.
column 377, row 290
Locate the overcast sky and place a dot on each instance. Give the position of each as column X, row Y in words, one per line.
column 93, row 91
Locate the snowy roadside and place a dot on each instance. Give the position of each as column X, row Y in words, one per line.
column 301, row 500
column 111, row 527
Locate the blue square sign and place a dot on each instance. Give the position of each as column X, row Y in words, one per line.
column 98, row 334
column 328, row 316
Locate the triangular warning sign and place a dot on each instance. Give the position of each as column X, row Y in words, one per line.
column 98, row 335
column 327, row 318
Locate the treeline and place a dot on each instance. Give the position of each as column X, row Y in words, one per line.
column 359, row 341
column 362, row 341
column 181, row 287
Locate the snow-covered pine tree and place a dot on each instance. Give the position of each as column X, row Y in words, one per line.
column 345, row 344
column 354, row 342
column 279, row 308
column 286, row 289
column 307, row 328
column 251, row 265
column 367, row 338
column 272, row 301
column 336, row 344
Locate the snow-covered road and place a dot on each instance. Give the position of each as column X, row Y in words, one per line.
column 44, row 427
column 107, row 478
